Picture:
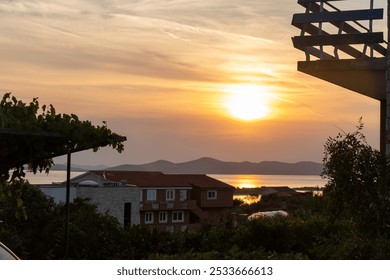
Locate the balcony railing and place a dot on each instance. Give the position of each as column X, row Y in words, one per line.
column 190, row 205
column 168, row 205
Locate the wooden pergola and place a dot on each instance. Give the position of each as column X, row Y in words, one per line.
column 341, row 47
column 57, row 145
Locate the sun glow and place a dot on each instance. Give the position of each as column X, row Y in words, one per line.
column 247, row 102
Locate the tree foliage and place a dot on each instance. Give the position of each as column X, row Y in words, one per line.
column 33, row 134
column 31, row 237
column 358, row 180
column 350, row 222
column 99, row 236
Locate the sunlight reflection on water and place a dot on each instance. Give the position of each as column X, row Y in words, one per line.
column 248, row 199
column 255, row 181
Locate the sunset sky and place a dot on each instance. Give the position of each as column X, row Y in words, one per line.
column 163, row 73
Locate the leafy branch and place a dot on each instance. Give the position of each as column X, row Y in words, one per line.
column 33, row 134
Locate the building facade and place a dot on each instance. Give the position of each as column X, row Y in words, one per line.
column 170, row 202
column 185, row 202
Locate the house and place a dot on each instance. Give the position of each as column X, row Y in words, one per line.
column 175, row 202
column 116, row 198
column 171, row 202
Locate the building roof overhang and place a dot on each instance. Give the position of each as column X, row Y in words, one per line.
column 365, row 76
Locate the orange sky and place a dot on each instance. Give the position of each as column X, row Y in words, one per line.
column 158, row 72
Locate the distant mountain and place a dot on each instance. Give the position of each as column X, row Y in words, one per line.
column 76, row 167
column 208, row 165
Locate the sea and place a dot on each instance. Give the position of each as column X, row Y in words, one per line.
column 236, row 180
column 254, row 181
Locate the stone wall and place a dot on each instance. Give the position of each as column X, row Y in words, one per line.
column 113, row 199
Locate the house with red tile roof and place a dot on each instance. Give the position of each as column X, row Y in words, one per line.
column 171, row 202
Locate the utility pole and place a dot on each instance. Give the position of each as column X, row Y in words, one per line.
column 67, row 204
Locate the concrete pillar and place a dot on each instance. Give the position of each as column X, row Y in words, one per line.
column 387, row 114
column 382, row 129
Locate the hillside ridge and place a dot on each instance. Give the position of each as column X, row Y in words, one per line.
column 207, row 165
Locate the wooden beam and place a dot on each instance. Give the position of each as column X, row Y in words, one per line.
column 336, row 40
column 317, row 53
column 345, row 27
column 314, row 30
column 304, row 2
column 24, row 132
column 339, row 16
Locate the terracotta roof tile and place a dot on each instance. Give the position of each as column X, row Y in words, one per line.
column 159, row 179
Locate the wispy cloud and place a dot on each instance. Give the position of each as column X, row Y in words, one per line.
column 173, row 39
column 159, row 66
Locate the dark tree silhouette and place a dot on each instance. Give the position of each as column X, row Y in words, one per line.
column 33, row 135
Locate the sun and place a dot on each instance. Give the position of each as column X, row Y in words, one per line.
column 247, row 102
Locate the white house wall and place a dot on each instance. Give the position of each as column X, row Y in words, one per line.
column 59, row 193
column 112, row 200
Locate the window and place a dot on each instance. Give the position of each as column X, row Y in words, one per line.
column 163, row 217
column 170, row 194
column 151, row 195
column 211, row 194
column 177, row 216
column 149, row 218
column 127, row 214
column 183, row 195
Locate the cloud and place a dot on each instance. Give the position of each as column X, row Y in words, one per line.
column 156, row 69
column 145, row 39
